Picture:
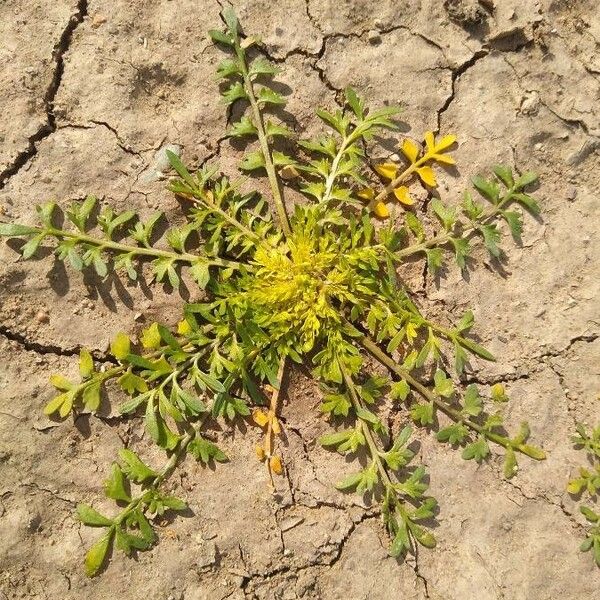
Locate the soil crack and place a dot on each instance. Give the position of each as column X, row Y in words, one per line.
column 60, row 49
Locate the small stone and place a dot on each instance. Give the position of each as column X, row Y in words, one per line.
column 374, row 37
column 42, row 316
column 530, row 103
column 138, row 317
column 539, row 146
column 571, row 193
column 207, row 556
column 98, row 20
column 161, row 160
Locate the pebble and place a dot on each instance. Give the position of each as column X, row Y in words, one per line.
column 374, row 37
column 571, row 193
column 42, row 316
column 98, row 20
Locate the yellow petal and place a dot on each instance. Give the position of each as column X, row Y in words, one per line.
column 366, row 194
column 427, row 176
column 260, row 417
column 430, row 141
column 275, row 464
column 381, row 210
column 410, row 150
column 445, row 143
column 260, row 452
column 387, row 170
column 444, row 158
column 403, row 196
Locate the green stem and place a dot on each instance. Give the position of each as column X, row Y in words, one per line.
column 426, row 393
column 264, row 143
column 373, row 450
column 333, row 174
column 137, row 250
column 445, row 237
column 166, row 471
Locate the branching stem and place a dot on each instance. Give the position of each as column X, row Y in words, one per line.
column 426, row 393
column 137, row 250
column 264, row 142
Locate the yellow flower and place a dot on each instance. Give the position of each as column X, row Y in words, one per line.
column 403, row 196
column 387, row 170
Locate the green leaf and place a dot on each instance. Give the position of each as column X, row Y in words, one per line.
column 336, row 404
column 423, row 413
column 510, row 463
column 134, row 468
column 532, row 452
column 462, row 249
column 350, row 482
column 231, row 20
column 335, row 439
column 477, row 349
column 269, row 96
column 399, row 390
column 260, row 66
column 273, row 129
column 132, row 383
column 89, row 516
column 235, row 92
column 528, row 202
column 86, row 363
column 435, row 259
column 16, row 230
column 96, row 555
column 589, row 514
column 355, row 103
column 114, row 486
column 488, row 189
column 206, row 451
column 173, row 503
column 226, row 68
column 525, row 179
column 120, row 346
column 243, row 127
column 443, row 385
column 472, row 401
column 477, row 450
column 491, row 237
column 515, row 223
column 220, row 37
column 91, row 396
column 30, row 248
column 453, row 434
column 252, row 161
column 504, row 174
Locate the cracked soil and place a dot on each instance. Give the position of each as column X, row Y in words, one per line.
column 91, row 90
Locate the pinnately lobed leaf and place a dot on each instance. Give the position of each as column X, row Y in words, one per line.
column 317, row 283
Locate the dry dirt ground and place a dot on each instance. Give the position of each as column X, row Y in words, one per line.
column 91, row 90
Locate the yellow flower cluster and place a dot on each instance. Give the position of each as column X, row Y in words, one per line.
column 417, row 158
